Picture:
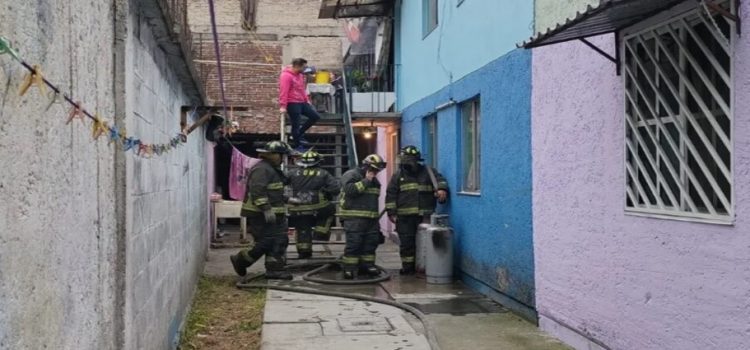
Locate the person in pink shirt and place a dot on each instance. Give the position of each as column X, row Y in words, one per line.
column 293, row 99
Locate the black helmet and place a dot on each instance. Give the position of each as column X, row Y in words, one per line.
column 410, row 152
column 275, row 147
column 309, row 159
column 374, row 161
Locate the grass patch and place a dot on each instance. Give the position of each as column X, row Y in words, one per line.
column 224, row 317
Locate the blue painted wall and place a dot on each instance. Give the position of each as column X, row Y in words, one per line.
column 494, row 229
column 467, row 38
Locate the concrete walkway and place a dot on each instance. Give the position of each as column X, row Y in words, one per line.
column 462, row 318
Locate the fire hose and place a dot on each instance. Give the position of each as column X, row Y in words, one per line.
column 248, row 284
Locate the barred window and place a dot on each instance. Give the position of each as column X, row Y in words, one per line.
column 470, row 146
column 678, row 108
column 430, row 148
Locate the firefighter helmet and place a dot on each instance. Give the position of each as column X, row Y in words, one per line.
column 374, row 161
column 275, row 147
column 411, row 153
column 309, row 158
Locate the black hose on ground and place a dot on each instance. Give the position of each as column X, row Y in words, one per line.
column 384, row 276
column 429, row 331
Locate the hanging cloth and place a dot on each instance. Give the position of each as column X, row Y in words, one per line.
column 238, row 170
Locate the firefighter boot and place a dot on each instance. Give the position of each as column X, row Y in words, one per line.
column 278, row 275
column 241, row 261
column 372, row 271
column 408, row 269
column 350, row 275
column 275, row 269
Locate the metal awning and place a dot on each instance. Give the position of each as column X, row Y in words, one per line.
column 355, row 8
column 608, row 16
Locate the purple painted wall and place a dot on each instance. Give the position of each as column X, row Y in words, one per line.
column 628, row 282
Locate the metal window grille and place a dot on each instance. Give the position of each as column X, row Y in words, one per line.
column 471, row 151
column 678, row 117
column 430, row 148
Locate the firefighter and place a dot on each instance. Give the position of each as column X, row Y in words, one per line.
column 265, row 210
column 410, row 200
column 358, row 211
column 314, row 188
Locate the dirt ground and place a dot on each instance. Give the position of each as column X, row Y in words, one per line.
column 224, row 317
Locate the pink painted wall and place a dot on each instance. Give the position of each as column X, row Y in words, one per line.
column 385, row 151
column 628, row 282
column 210, row 185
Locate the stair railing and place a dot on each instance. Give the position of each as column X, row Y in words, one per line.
column 351, row 144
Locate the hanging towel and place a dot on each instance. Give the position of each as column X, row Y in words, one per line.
column 237, row 173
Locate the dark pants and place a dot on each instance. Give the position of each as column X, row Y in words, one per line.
column 407, row 226
column 296, row 111
column 271, row 240
column 312, row 227
column 362, row 239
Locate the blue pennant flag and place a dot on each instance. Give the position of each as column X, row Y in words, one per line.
column 130, row 143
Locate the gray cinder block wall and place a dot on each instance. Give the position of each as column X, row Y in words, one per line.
column 98, row 249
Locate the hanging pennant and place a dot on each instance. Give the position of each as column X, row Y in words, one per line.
column 100, row 127
column 130, row 143
column 114, row 134
column 53, row 100
column 6, row 48
column 75, row 112
column 33, row 78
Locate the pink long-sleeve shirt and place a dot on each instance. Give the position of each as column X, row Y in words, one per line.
column 292, row 88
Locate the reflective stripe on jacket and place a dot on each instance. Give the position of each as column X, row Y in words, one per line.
column 315, row 186
column 413, row 194
column 359, row 197
column 265, row 189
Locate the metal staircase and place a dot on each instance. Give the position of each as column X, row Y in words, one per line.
column 337, row 147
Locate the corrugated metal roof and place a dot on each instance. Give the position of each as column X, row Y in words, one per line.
column 606, row 17
column 355, row 8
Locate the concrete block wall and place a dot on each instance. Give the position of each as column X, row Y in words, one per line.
column 57, row 216
column 77, row 269
column 166, row 200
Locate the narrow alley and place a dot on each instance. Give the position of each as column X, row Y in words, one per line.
column 374, row 174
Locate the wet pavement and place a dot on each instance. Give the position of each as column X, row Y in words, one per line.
column 462, row 318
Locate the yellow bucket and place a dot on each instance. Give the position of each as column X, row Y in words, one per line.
column 322, row 77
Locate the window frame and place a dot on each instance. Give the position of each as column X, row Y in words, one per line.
column 657, row 22
column 427, row 26
column 430, row 137
column 476, row 108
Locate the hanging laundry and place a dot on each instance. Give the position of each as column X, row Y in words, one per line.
column 237, row 173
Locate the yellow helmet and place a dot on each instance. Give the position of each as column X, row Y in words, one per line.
column 374, row 161
column 309, row 159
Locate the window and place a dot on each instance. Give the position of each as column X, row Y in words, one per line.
column 429, row 16
column 678, row 111
column 470, row 146
column 249, row 11
column 430, row 148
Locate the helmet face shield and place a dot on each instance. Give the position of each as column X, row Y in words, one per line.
column 374, row 162
column 309, row 159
